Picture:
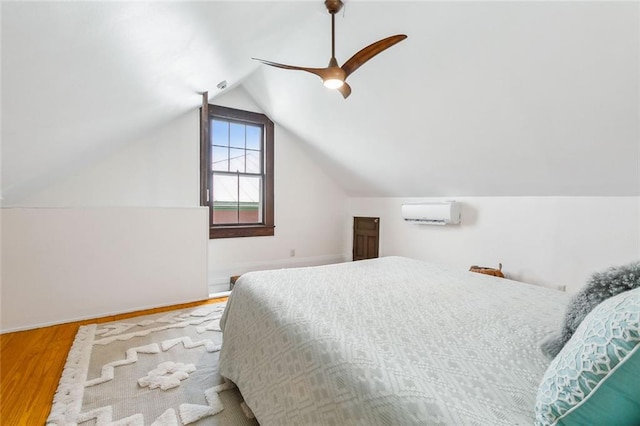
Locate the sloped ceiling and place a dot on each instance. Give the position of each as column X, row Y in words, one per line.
column 483, row 98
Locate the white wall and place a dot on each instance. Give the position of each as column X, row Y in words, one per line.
column 310, row 208
column 70, row 249
column 549, row 241
column 161, row 169
column 60, row 265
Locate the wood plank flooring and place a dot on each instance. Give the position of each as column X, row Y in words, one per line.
column 31, row 363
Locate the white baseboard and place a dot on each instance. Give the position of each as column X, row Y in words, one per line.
column 219, row 277
column 219, row 287
column 96, row 317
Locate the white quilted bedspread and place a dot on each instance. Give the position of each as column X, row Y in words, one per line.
column 390, row 341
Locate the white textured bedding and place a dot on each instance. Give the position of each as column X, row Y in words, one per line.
column 389, row 341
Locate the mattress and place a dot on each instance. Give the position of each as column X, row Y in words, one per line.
column 389, row 341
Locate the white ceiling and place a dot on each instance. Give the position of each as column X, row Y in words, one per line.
column 483, row 98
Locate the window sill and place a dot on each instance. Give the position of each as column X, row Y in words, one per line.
column 241, row 231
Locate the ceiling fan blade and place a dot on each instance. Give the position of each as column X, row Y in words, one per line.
column 320, row 72
column 369, row 52
column 345, row 89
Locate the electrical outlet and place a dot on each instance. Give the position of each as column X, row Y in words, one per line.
column 562, row 287
column 292, row 253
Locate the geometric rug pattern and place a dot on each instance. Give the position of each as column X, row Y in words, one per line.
column 159, row 370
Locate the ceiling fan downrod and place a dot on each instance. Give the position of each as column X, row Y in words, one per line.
column 334, row 75
column 333, row 7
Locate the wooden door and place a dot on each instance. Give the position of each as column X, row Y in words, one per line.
column 366, row 234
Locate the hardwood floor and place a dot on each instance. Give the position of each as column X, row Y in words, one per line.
column 31, row 363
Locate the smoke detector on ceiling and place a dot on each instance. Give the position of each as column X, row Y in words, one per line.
column 222, row 85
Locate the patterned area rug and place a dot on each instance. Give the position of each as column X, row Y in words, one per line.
column 159, row 370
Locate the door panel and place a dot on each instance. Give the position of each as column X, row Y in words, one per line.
column 365, row 237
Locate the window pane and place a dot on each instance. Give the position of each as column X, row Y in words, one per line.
column 253, row 162
column 237, row 135
column 225, row 199
column 254, row 137
column 220, row 159
column 220, row 133
column 236, row 160
column 250, row 199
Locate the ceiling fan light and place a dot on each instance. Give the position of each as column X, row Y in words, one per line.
column 333, row 83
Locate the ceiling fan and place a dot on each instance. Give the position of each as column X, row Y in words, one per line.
column 334, row 76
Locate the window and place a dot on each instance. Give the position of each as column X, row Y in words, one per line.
column 236, row 172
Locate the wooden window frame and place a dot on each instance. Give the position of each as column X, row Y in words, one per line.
column 267, row 227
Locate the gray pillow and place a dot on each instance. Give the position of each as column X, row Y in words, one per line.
column 600, row 287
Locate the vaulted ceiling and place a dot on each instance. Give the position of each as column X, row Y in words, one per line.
column 483, row 98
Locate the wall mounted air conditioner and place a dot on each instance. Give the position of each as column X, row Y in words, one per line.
column 432, row 213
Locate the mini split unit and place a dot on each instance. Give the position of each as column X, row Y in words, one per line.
column 432, row 213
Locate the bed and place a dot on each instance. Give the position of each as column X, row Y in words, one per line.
column 389, row 341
